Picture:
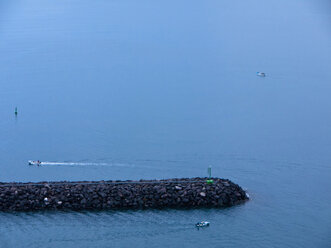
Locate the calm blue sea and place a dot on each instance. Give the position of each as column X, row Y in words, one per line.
column 123, row 89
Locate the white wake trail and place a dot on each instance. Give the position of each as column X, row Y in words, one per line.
column 87, row 164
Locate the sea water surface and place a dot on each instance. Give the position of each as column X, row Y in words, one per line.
column 123, row 89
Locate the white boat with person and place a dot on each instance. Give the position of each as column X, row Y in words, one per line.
column 202, row 224
column 32, row 162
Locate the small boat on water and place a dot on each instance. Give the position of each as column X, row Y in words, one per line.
column 260, row 74
column 31, row 162
column 202, row 224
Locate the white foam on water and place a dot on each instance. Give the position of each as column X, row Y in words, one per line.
column 86, row 164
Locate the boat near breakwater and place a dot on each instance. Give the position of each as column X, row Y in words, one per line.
column 32, row 162
column 106, row 195
column 202, row 224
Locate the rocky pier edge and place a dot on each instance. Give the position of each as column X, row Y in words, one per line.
column 112, row 195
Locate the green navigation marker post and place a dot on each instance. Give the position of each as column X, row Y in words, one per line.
column 209, row 172
column 15, row 110
column 209, row 180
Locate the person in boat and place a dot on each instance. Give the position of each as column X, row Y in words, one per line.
column 202, row 224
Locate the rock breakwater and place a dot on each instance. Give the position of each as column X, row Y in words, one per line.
column 98, row 195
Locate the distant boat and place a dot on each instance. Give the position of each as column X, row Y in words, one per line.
column 202, row 224
column 260, row 74
column 31, row 162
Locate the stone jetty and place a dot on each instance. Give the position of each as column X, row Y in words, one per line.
column 103, row 195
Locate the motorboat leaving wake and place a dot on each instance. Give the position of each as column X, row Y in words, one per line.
column 31, row 162
column 39, row 163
